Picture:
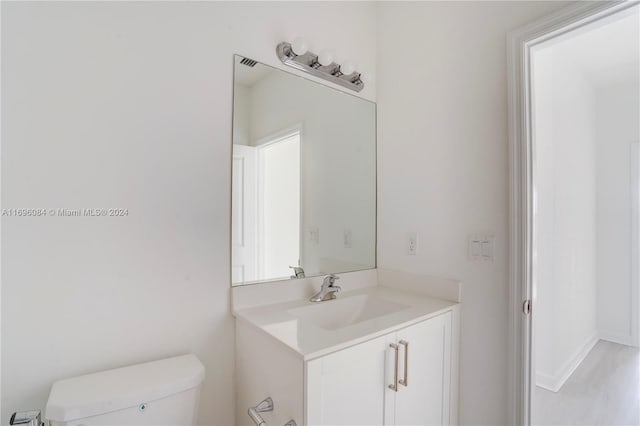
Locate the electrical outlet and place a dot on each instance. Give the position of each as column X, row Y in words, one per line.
column 314, row 234
column 412, row 243
column 347, row 238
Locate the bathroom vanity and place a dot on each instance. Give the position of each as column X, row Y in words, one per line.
column 385, row 350
column 377, row 355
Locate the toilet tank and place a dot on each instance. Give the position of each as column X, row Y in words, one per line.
column 159, row 393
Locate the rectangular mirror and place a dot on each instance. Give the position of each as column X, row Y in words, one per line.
column 303, row 177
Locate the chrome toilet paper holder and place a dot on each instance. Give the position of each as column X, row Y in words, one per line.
column 264, row 406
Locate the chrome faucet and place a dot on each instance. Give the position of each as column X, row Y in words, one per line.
column 328, row 290
column 28, row 418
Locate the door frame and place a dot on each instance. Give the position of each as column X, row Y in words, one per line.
column 635, row 242
column 521, row 185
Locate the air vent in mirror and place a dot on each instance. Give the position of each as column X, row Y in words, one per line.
column 248, row 62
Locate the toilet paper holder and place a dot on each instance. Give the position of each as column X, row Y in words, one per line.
column 264, row 406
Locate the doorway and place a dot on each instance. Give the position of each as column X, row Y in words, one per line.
column 585, row 116
column 574, row 280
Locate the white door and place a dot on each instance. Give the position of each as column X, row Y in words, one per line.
column 244, row 195
column 278, row 207
column 424, row 397
column 350, row 387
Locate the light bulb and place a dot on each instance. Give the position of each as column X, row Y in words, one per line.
column 366, row 77
column 347, row 68
column 299, row 46
column 325, row 57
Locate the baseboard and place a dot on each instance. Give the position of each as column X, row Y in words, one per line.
column 622, row 339
column 554, row 382
column 546, row 381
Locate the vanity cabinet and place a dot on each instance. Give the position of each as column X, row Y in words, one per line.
column 357, row 385
column 347, row 387
column 402, row 378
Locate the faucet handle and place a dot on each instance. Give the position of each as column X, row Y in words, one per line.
column 327, row 290
column 330, row 279
column 298, row 272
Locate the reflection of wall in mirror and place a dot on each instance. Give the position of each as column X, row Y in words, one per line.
column 338, row 164
column 241, row 104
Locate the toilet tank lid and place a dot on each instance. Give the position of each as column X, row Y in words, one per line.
column 121, row 388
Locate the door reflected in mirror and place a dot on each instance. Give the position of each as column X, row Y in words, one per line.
column 303, row 177
column 267, row 192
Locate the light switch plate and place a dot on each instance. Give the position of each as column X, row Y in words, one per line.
column 481, row 247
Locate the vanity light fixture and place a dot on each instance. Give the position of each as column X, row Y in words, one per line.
column 297, row 55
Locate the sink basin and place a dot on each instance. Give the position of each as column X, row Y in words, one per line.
column 339, row 313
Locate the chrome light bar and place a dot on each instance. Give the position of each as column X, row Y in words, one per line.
column 308, row 63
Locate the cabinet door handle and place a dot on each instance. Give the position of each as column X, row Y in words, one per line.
column 394, row 386
column 405, row 380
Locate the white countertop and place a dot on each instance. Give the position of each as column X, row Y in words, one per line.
column 310, row 341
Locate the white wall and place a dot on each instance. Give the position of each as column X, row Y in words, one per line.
column 129, row 105
column 443, row 170
column 565, row 217
column 618, row 126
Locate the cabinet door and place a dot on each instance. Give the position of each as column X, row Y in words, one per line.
column 425, row 398
column 349, row 387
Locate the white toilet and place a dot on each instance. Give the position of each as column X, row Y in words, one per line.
column 159, row 393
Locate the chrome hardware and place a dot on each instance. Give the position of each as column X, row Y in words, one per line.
column 262, row 407
column 526, row 307
column 328, row 290
column 405, row 381
column 308, row 62
column 394, row 386
column 298, row 272
column 29, row 418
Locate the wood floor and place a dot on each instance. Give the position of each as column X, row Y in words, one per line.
column 604, row 390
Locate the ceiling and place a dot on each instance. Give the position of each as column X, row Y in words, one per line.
column 607, row 52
